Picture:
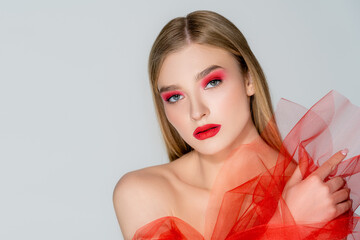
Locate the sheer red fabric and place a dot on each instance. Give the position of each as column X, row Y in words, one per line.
column 248, row 189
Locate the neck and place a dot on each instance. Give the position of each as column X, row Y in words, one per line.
column 209, row 165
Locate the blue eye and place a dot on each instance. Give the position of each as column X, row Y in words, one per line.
column 213, row 83
column 175, row 98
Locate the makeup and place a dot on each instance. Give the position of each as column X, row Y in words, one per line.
column 167, row 95
column 215, row 75
column 206, row 131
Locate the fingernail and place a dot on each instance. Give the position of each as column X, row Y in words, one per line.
column 344, row 151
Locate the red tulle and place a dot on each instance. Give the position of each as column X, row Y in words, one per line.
column 241, row 206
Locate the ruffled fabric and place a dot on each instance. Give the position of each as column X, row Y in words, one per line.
column 248, row 189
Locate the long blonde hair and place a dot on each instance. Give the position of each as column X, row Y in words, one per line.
column 210, row 28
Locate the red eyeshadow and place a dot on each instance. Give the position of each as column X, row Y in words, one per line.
column 166, row 95
column 218, row 74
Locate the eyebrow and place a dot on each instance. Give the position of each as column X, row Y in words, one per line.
column 199, row 76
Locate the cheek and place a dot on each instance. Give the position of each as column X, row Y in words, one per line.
column 175, row 115
column 238, row 104
column 230, row 103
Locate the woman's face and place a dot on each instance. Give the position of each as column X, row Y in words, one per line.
column 206, row 98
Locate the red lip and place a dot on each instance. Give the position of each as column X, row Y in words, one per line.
column 206, row 131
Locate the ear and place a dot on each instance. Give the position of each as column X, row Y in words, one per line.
column 249, row 85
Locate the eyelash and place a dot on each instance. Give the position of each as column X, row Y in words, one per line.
column 216, row 80
column 168, row 99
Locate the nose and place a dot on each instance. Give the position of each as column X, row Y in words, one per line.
column 198, row 109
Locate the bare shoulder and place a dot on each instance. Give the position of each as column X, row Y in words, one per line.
column 142, row 196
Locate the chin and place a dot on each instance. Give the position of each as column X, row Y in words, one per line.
column 209, row 148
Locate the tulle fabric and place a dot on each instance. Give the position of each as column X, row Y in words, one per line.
column 247, row 193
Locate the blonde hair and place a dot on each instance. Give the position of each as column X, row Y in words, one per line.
column 206, row 27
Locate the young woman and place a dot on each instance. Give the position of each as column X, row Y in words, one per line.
column 230, row 176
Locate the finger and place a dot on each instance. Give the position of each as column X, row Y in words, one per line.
column 341, row 195
column 343, row 207
column 324, row 170
column 295, row 177
column 335, row 184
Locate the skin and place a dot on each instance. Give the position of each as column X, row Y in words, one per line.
column 226, row 104
column 170, row 189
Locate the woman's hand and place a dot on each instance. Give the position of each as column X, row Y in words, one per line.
column 313, row 200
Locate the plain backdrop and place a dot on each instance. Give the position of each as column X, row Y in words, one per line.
column 75, row 105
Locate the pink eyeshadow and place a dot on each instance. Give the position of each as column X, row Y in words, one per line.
column 218, row 74
column 166, row 95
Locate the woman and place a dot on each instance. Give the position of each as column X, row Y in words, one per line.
column 215, row 113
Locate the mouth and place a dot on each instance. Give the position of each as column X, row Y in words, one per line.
column 206, row 131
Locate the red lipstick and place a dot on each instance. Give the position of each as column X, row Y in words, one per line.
column 206, row 131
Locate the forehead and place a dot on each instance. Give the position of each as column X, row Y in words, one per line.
column 192, row 59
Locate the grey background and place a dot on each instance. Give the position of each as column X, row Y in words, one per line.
column 75, row 106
